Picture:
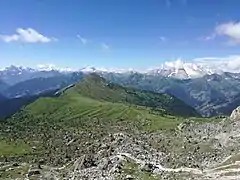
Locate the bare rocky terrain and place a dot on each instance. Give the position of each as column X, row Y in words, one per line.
column 198, row 151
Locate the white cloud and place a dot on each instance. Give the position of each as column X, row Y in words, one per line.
column 220, row 64
column 208, row 38
column 83, row 40
column 28, row 35
column 105, row 46
column 50, row 67
column 231, row 30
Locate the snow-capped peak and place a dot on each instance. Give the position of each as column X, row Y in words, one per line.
column 52, row 67
column 88, row 69
column 16, row 70
column 41, row 67
column 177, row 69
column 180, row 69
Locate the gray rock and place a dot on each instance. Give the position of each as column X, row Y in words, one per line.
column 15, row 164
column 104, row 164
column 235, row 114
column 34, row 172
column 129, row 177
column 148, row 167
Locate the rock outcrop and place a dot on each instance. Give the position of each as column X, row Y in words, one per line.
column 235, row 114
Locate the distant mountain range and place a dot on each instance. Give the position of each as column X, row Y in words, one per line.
column 3, row 85
column 13, row 74
column 38, row 85
column 208, row 94
column 176, row 69
column 10, row 106
column 209, row 91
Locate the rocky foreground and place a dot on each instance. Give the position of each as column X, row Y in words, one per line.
column 198, row 151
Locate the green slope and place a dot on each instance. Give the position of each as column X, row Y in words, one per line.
column 96, row 87
column 66, row 127
column 46, row 123
column 11, row 106
column 71, row 111
column 95, row 99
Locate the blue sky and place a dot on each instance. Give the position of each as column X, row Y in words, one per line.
column 116, row 33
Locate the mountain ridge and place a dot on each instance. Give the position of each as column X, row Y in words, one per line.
column 37, row 85
column 3, row 86
column 176, row 69
column 96, row 87
column 14, row 105
column 207, row 93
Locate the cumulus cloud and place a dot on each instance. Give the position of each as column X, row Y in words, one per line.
column 105, row 46
column 230, row 30
column 220, row 64
column 175, row 64
column 28, row 35
column 83, row 40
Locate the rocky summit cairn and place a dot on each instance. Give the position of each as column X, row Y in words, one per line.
column 235, row 114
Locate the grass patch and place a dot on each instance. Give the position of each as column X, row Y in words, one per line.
column 13, row 148
column 133, row 170
column 13, row 172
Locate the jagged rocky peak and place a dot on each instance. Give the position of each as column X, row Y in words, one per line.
column 235, row 114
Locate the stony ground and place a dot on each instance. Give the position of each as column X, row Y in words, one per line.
column 194, row 151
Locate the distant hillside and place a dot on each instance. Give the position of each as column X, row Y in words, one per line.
column 3, row 86
column 26, row 92
column 10, row 106
column 227, row 107
column 39, row 85
column 97, row 88
column 2, row 97
column 208, row 94
column 13, row 74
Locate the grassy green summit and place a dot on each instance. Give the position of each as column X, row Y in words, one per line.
column 96, row 87
column 95, row 100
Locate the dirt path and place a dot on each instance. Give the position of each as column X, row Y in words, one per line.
column 215, row 173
